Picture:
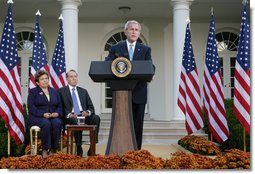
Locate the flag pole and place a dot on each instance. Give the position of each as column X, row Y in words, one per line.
column 244, row 140
column 212, row 12
column 211, row 137
column 9, row 143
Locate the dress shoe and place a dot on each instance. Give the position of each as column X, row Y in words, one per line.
column 79, row 151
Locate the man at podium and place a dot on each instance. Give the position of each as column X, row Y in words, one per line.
column 134, row 51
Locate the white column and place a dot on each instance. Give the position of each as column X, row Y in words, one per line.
column 70, row 25
column 181, row 13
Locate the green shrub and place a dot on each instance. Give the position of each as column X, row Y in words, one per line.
column 15, row 150
column 235, row 128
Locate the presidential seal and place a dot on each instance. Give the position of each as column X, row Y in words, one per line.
column 121, row 67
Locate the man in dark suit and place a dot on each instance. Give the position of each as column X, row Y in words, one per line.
column 134, row 51
column 76, row 102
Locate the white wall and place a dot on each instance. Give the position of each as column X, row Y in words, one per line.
column 157, row 89
column 90, row 38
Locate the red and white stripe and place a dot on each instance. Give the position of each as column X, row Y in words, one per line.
column 189, row 100
column 55, row 80
column 32, row 83
column 11, row 108
column 214, row 105
column 242, row 96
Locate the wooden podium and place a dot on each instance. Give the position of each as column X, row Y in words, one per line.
column 122, row 135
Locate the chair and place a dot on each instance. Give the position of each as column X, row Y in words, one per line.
column 34, row 139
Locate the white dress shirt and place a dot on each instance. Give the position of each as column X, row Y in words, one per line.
column 77, row 96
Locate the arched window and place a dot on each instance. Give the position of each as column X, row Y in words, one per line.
column 227, row 41
column 227, row 44
column 24, row 41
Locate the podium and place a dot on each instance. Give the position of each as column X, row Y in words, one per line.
column 122, row 135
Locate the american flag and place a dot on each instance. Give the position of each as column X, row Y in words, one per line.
column 242, row 75
column 39, row 58
column 58, row 65
column 213, row 90
column 11, row 109
column 189, row 99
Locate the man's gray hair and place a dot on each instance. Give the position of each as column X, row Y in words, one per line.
column 71, row 70
column 131, row 22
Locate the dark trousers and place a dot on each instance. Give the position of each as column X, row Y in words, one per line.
column 138, row 118
column 50, row 131
column 89, row 120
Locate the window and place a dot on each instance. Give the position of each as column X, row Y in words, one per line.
column 24, row 40
column 227, row 43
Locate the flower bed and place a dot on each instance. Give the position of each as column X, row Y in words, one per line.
column 182, row 160
column 142, row 159
column 61, row 161
column 233, row 159
column 199, row 145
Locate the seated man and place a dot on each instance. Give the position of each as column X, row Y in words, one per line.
column 76, row 102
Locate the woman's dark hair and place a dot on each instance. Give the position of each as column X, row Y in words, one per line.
column 39, row 73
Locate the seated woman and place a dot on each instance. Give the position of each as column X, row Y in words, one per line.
column 45, row 111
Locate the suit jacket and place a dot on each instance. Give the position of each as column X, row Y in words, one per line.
column 67, row 102
column 38, row 103
column 141, row 52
